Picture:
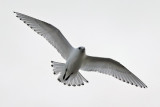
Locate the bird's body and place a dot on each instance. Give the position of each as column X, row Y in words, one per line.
column 76, row 58
column 73, row 63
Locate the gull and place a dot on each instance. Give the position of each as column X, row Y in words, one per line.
column 76, row 58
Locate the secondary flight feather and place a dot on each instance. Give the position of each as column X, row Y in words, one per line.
column 76, row 58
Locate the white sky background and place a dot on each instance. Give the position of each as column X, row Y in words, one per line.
column 125, row 30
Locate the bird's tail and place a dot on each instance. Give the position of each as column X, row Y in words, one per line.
column 57, row 67
column 74, row 80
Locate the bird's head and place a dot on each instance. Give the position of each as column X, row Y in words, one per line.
column 81, row 49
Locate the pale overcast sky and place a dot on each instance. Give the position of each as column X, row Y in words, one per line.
column 125, row 30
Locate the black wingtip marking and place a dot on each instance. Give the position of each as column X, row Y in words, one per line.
column 51, row 61
column 87, row 81
column 145, row 87
column 51, row 65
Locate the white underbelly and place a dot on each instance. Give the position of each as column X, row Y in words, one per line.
column 74, row 62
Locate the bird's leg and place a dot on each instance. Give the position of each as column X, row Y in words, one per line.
column 65, row 74
column 68, row 76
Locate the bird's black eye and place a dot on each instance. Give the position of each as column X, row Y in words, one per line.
column 79, row 48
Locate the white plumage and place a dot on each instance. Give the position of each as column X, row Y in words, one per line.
column 76, row 58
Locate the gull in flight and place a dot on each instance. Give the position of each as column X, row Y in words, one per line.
column 76, row 58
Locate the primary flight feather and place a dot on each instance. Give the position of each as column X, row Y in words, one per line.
column 76, row 58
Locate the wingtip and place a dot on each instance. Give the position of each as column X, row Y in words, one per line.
column 87, row 81
column 145, row 87
column 14, row 12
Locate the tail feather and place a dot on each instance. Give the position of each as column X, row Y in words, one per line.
column 79, row 80
column 82, row 77
column 75, row 80
column 57, row 67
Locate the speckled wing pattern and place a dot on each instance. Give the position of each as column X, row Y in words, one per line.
column 111, row 67
column 49, row 32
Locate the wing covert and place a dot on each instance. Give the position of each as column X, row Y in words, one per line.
column 111, row 67
column 49, row 32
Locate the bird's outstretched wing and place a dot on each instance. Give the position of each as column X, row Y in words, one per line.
column 49, row 32
column 111, row 67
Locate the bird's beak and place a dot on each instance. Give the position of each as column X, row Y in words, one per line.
column 83, row 50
